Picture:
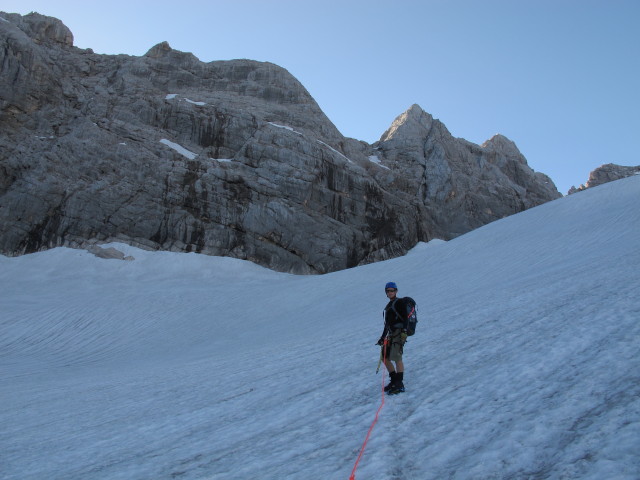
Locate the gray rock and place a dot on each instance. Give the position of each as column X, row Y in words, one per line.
column 604, row 174
column 229, row 158
column 108, row 253
column 461, row 184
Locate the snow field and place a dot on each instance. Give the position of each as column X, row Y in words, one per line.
column 524, row 365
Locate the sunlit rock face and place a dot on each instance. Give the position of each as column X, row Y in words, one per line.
column 230, row 158
column 606, row 173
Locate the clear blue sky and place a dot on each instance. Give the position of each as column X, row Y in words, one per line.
column 561, row 78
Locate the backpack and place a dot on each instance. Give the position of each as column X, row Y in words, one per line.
column 410, row 314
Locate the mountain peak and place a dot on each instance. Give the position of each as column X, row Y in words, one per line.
column 42, row 29
column 414, row 110
column 503, row 144
column 159, row 50
column 229, row 158
column 414, row 121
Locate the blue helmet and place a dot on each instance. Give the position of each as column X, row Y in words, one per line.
column 391, row 285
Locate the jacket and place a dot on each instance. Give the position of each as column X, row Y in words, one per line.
column 393, row 317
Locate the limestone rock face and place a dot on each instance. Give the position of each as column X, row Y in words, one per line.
column 229, row 158
column 606, row 173
column 41, row 29
column 461, row 185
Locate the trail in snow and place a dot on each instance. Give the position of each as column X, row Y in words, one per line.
column 525, row 363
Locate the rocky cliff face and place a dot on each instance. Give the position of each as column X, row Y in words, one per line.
column 229, row 158
column 606, row 173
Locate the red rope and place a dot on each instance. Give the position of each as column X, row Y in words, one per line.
column 366, row 439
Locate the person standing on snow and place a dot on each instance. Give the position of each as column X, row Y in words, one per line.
column 395, row 331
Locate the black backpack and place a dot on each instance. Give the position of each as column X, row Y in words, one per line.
column 410, row 314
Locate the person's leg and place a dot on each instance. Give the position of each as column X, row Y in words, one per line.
column 395, row 353
column 392, row 380
column 390, row 367
column 397, row 384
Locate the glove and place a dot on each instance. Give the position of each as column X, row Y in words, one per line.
column 403, row 336
column 380, row 342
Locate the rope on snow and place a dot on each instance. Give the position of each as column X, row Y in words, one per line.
column 375, row 420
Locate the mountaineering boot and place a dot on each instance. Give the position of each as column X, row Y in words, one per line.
column 392, row 375
column 396, row 385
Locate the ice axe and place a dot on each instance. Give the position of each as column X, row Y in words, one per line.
column 384, row 344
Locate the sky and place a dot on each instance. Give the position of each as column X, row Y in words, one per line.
column 558, row 77
column 524, row 363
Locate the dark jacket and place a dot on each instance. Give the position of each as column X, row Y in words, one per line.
column 393, row 316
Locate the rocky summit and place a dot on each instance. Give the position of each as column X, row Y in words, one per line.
column 609, row 172
column 231, row 158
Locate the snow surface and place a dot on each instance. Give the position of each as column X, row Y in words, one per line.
column 334, row 150
column 171, row 96
column 375, row 159
column 179, row 148
column 284, row 127
column 195, row 102
column 525, row 364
